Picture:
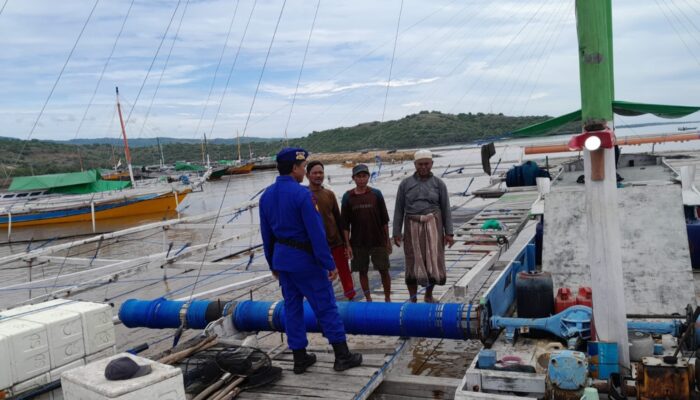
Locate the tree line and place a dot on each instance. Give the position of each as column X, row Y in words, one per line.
column 424, row 129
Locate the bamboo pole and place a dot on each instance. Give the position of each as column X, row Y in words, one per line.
column 126, row 141
column 620, row 141
column 124, row 232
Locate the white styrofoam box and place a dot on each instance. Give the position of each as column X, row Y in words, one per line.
column 29, row 348
column 6, row 380
column 65, row 330
column 32, row 308
column 98, row 328
column 89, row 382
column 33, row 383
column 108, row 352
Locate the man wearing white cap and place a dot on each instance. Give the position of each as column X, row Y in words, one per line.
column 423, row 206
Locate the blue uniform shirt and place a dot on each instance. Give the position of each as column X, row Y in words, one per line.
column 287, row 211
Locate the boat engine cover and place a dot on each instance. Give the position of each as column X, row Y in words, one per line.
column 567, row 371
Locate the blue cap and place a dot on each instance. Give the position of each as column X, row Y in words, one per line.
column 292, row 154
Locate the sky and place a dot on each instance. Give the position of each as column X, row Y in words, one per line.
column 218, row 67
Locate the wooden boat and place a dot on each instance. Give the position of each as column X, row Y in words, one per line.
column 217, row 173
column 265, row 163
column 240, row 169
column 82, row 196
column 153, row 203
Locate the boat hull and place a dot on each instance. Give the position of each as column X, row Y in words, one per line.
column 218, row 173
column 142, row 205
column 240, row 170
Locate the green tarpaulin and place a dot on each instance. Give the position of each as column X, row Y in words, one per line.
column 94, row 187
column 41, row 182
column 188, row 167
column 71, row 182
column 627, row 108
column 624, row 108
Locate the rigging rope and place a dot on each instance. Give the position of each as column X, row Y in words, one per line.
column 391, row 65
column 679, row 20
column 540, row 68
column 490, row 62
column 150, row 67
column 230, row 71
column 55, row 84
column 518, row 57
column 165, row 66
column 301, row 70
column 697, row 60
column 216, row 71
column 104, row 68
column 262, row 71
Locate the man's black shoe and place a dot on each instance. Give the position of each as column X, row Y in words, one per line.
column 302, row 360
column 344, row 359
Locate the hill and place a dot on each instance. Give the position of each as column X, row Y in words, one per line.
column 148, row 142
column 424, row 129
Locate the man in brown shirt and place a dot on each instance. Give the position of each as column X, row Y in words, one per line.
column 327, row 206
column 366, row 227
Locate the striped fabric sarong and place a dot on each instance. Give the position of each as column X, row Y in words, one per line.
column 424, row 249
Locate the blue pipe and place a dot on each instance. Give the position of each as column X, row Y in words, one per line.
column 446, row 321
column 441, row 320
column 162, row 313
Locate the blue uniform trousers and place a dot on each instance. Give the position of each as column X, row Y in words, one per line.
column 318, row 291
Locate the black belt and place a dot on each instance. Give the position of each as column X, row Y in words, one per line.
column 296, row 245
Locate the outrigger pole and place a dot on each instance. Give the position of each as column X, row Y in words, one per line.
column 594, row 28
column 127, row 153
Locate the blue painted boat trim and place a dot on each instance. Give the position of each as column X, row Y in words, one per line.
column 17, row 218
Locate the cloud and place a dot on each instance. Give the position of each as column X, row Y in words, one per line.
column 328, row 88
column 504, row 56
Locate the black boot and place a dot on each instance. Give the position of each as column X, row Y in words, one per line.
column 344, row 359
column 302, row 360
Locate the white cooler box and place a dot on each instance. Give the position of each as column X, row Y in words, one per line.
column 89, row 382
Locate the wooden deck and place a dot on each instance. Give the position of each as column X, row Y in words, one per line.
column 392, row 359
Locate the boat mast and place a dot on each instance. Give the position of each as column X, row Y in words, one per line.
column 238, row 141
column 206, row 161
column 127, row 153
column 160, row 148
column 594, row 27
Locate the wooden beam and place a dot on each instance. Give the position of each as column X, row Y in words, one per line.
column 462, row 285
column 415, row 386
column 155, row 225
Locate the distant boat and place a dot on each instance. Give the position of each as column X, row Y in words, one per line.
column 687, row 128
column 265, row 163
column 218, row 172
column 81, row 196
column 240, row 169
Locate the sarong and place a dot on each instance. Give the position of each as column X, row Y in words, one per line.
column 424, row 249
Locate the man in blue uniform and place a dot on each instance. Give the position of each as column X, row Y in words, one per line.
column 297, row 252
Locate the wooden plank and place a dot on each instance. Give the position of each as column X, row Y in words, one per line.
column 489, row 396
column 506, row 381
column 462, row 286
column 268, row 396
column 416, row 386
column 324, row 368
column 368, row 360
column 276, row 390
